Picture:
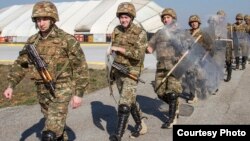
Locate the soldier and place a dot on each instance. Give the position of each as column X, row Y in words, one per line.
column 129, row 43
column 240, row 42
column 195, row 73
column 66, row 65
column 169, row 91
column 247, row 22
column 229, row 52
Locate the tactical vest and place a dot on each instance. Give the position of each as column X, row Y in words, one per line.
column 53, row 51
column 127, row 40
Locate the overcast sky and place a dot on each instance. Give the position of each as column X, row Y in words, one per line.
column 184, row 8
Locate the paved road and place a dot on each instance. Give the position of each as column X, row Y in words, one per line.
column 95, row 55
column 96, row 118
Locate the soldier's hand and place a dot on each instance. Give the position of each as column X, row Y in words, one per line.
column 8, row 93
column 76, row 102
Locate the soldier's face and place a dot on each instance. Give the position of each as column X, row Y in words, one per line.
column 125, row 20
column 43, row 23
column 194, row 25
column 239, row 21
column 167, row 19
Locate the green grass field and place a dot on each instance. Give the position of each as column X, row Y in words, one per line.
column 24, row 93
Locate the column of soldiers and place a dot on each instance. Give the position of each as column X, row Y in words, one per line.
column 65, row 61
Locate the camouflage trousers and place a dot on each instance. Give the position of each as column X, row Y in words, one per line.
column 55, row 110
column 127, row 88
column 229, row 52
column 171, row 85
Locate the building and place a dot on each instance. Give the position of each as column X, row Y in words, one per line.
column 89, row 21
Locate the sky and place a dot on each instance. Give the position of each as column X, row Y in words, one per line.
column 183, row 8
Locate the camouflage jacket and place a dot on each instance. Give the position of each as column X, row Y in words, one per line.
column 239, row 30
column 57, row 49
column 134, row 40
column 205, row 40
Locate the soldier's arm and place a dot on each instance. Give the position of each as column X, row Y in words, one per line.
column 138, row 50
column 80, row 74
column 18, row 69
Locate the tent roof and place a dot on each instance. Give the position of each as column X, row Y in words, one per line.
column 94, row 16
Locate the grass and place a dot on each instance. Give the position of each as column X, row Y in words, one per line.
column 24, row 93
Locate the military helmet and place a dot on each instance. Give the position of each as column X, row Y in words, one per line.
column 169, row 11
column 44, row 9
column 194, row 18
column 239, row 16
column 246, row 17
column 126, row 7
column 221, row 13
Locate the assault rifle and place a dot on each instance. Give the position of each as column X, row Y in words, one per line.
column 125, row 71
column 41, row 67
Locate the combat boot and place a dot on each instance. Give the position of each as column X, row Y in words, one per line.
column 123, row 115
column 229, row 71
column 140, row 126
column 173, row 107
column 237, row 61
column 193, row 99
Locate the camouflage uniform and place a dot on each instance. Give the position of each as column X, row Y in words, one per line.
column 247, row 21
column 70, row 78
column 195, row 76
column 229, row 45
column 240, row 42
column 166, row 59
column 134, row 40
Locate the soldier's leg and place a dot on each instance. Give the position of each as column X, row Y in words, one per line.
column 140, row 126
column 57, row 111
column 237, row 62
column 123, row 115
column 244, row 60
column 192, row 87
column 127, row 98
column 173, row 107
column 229, row 71
column 172, row 92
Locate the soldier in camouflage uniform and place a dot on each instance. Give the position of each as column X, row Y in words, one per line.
column 169, row 91
column 129, row 43
column 229, row 49
column 247, row 22
column 195, row 76
column 240, row 42
column 66, row 64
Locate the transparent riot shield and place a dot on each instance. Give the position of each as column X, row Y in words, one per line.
column 175, row 44
column 241, row 44
column 219, row 52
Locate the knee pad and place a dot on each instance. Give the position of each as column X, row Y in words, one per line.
column 48, row 136
column 172, row 96
column 124, row 109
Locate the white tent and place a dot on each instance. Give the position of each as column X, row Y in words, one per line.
column 93, row 17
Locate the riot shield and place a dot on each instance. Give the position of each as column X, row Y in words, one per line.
column 109, row 59
column 241, row 42
column 213, row 72
column 172, row 50
column 219, row 52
